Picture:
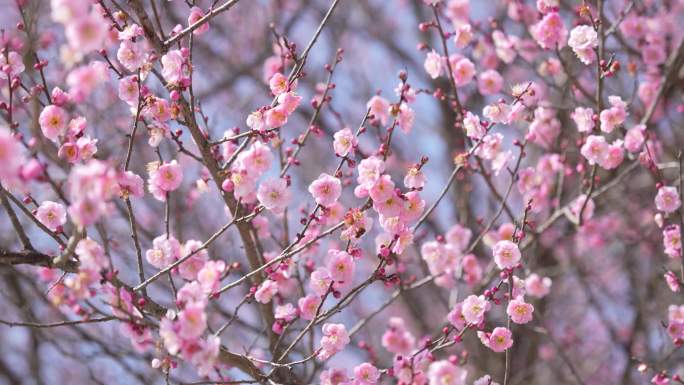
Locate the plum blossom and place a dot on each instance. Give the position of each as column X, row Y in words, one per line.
column 433, row 64
column 335, row 338
column 506, row 254
column 53, row 122
column 474, row 308
column 344, row 142
column 519, row 311
column 444, row 372
column 583, row 39
column 326, row 190
column 498, row 340
column 667, row 200
column 274, row 194
column 51, row 214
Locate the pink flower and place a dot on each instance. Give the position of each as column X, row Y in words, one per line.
column 370, row 170
column 463, row 71
column 667, row 199
column 546, row 6
column 164, row 251
column 497, row 112
column 489, row 82
column 257, row 159
column 397, row 339
column 131, row 55
column 455, row 316
column 537, row 286
column 168, row 177
column 634, row 138
column 340, row 266
column 474, row 129
column 443, row 372
column 487, row 379
column 276, row 117
column 188, row 270
column 87, row 147
column 326, row 190
column 130, row 184
column 582, row 202
column 266, row 291
column 433, row 64
column 209, row 276
column 307, row 306
column 51, row 214
column 474, row 308
column 584, row 119
column 274, row 195
column 379, row 109
column 498, row 340
column 490, row 146
column 53, row 122
column 87, row 33
column 550, row 31
column 129, row 90
column 614, row 116
column 415, row 178
column 672, row 281
column 278, row 84
column 192, row 321
column 583, row 40
column 382, row 189
column 12, row 65
column 506, row 254
column 320, row 281
column 366, row 374
column 11, row 155
column 519, row 311
column 289, row 101
column 595, row 149
column 173, row 64
column 68, row 151
column 86, row 211
column 463, row 36
column 344, row 142
column 335, row 338
column 256, row 121
column 672, row 241
column 196, row 14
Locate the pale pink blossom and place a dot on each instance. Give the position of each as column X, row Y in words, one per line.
column 474, row 308
column 335, row 338
column 344, row 142
column 463, row 71
column 53, row 122
column 340, row 266
column 506, row 254
column 379, row 109
column 519, row 311
column 489, row 82
column 366, row 374
column 51, row 214
column 583, row 39
column 278, row 84
column 537, row 286
column 325, row 190
column 274, row 194
column 443, row 372
column 173, row 66
column 195, row 15
column 433, row 64
column 667, row 199
column 498, row 340
column 584, row 119
column 266, row 291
